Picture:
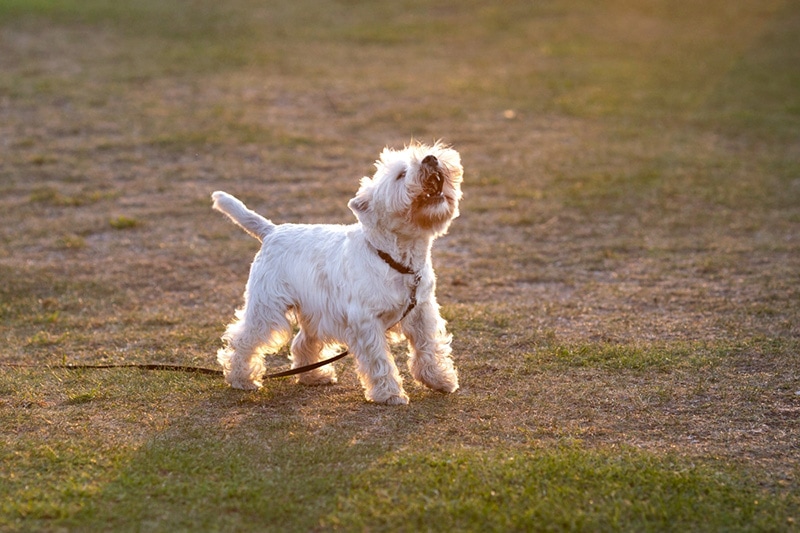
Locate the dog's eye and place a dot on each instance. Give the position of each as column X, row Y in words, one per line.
column 401, row 175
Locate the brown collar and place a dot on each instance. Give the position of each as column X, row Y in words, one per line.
column 403, row 269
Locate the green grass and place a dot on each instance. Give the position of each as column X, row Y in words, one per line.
column 231, row 462
column 619, row 357
column 122, row 222
column 623, row 284
column 565, row 488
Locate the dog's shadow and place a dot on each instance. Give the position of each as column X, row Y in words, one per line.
column 232, row 445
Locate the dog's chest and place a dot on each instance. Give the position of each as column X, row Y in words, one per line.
column 400, row 298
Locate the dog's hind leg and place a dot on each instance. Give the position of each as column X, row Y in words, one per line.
column 241, row 359
column 258, row 329
column 306, row 350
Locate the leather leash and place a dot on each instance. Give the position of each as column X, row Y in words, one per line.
column 182, row 368
column 399, row 267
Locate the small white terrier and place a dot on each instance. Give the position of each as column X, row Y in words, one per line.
column 362, row 285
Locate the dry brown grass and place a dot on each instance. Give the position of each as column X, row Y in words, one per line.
column 626, row 270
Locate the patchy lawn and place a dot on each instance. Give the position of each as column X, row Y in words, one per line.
column 623, row 285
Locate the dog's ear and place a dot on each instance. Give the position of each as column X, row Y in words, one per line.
column 359, row 204
column 362, row 201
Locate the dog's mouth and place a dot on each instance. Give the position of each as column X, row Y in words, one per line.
column 433, row 187
column 433, row 184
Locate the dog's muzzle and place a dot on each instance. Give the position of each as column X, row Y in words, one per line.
column 433, row 183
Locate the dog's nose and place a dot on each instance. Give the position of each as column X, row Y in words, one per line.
column 430, row 161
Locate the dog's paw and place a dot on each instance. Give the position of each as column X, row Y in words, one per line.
column 397, row 399
column 446, row 384
column 313, row 379
column 447, row 387
column 441, row 381
column 245, row 385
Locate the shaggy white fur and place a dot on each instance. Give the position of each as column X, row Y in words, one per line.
column 332, row 282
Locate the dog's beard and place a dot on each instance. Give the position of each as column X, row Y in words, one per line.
column 435, row 205
column 433, row 216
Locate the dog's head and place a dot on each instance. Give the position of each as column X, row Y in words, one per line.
column 414, row 191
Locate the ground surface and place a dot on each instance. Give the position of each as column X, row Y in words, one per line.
column 623, row 285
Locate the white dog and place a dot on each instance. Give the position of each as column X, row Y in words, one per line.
column 361, row 285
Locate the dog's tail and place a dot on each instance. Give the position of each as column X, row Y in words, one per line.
column 250, row 221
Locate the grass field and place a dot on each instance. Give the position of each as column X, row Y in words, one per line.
column 623, row 285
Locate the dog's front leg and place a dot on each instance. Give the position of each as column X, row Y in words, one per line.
column 429, row 348
column 375, row 365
